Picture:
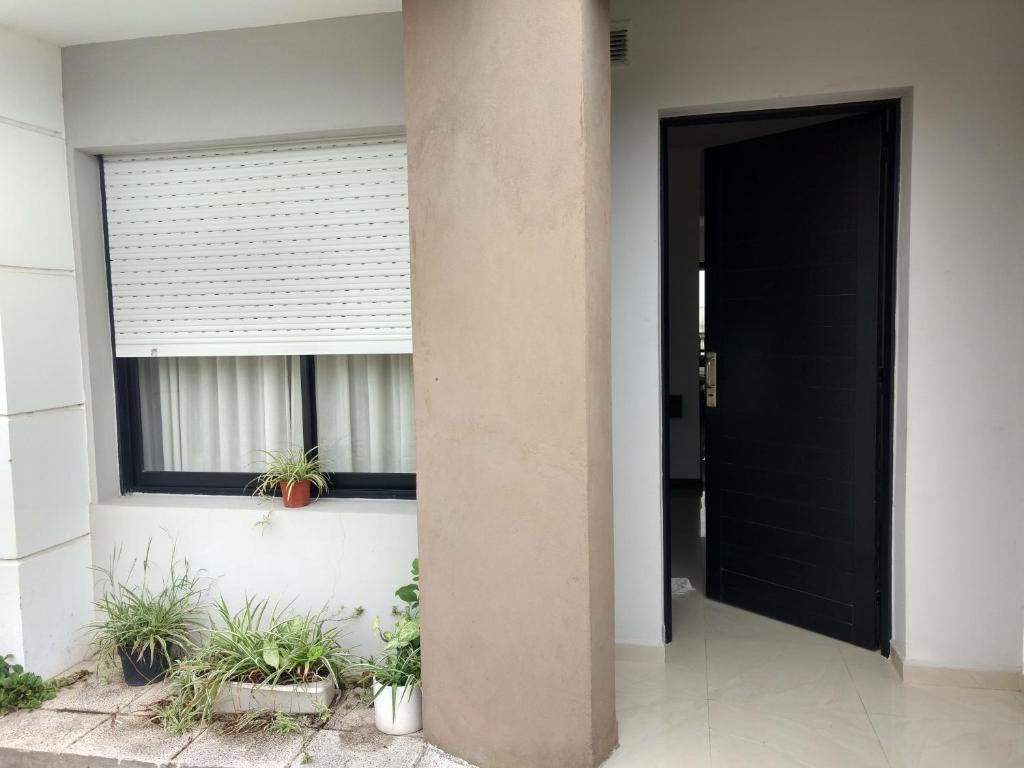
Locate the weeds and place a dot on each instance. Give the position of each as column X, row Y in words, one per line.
column 20, row 689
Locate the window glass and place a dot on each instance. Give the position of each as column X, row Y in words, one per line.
column 365, row 413
column 217, row 414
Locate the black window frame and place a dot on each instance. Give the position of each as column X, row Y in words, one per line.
column 134, row 478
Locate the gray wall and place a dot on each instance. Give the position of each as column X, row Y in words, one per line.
column 296, row 80
column 293, row 81
column 318, row 77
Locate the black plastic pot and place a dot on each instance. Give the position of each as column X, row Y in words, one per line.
column 142, row 669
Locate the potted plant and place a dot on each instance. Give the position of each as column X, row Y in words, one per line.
column 147, row 628
column 258, row 659
column 397, row 684
column 293, row 473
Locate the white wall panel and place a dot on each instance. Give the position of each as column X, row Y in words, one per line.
column 39, row 341
column 30, row 80
column 48, row 512
column 35, row 228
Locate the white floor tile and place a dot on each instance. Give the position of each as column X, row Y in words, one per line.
column 892, row 697
column 798, row 736
column 915, row 743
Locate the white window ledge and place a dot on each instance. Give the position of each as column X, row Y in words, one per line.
column 163, row 501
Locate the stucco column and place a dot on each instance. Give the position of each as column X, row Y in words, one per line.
column 508, row 125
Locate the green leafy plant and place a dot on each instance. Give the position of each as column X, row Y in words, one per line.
column 399, row 663
column 145, row 621
column 259, row 645
column 20, row 689
column 410, row 593
column 289, row 467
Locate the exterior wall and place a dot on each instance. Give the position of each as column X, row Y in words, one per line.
column 298, row 80
column 958, row 530
column 44, row 520
column 958, row 492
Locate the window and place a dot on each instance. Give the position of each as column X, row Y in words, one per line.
column 260, row 301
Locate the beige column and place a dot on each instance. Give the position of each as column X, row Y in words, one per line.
column 508, row 124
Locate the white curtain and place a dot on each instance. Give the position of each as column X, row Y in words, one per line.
column 217, row 414
column 365, row 413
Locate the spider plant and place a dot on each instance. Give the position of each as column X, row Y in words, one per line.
column 149, row 624
column 260, row 645
column 285, row 469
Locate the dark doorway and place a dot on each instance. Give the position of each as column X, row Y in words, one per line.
column 784, row 393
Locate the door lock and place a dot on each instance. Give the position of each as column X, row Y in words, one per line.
column 711, row 380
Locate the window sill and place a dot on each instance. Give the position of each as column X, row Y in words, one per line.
column 155, row 501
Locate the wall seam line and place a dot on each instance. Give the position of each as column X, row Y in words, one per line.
column 54, row 409
column 51, row 132
column 37, row 270
column 44, row 551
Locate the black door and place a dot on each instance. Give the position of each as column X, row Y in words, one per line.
column 795, row 239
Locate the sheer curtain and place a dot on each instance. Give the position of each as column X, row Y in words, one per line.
column 216, row 414
column 365, row 413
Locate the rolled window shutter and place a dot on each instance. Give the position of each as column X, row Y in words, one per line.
column 287, row 248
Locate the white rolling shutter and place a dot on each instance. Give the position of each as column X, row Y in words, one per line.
column 288, row 248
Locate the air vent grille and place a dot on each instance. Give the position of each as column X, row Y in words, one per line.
column 619, row 43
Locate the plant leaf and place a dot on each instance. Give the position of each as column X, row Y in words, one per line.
column 407, row 594
column 272, row 656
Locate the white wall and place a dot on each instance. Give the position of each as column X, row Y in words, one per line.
column 958, row 583
column 44, row 520
column 317, row 78
column 334, row 552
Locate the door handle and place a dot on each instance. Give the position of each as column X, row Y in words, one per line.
column 711, row 380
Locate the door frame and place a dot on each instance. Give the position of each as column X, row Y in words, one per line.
column 891, row 111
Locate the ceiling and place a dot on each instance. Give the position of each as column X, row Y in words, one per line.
column 70, row 22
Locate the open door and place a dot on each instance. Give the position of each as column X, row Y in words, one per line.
column 795, row 236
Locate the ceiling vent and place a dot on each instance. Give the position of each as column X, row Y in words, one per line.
column 619, row 43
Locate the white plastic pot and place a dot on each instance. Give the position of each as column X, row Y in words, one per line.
column 397, row 710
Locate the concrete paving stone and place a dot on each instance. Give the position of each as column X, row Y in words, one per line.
column 44, row 731
column 435, row 758
column 358, row 718
column 104, row 690
column 216, row 748
column 10, row 759
column 360, row 749
column 347, row 702
column 131, row 738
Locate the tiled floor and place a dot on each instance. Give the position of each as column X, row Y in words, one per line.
column 738, row 689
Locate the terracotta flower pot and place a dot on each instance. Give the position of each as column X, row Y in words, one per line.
column 297, row 495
